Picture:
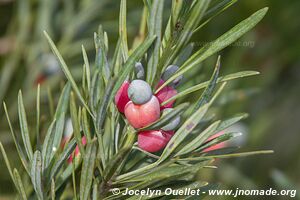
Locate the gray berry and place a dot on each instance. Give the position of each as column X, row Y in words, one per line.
column 139, row 92
column 170, row 71
column 177, row 81
column 139, row 70
column 173, row 124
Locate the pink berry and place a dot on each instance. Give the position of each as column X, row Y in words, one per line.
column 164, row 94
column 83, row 141
column 153, row 140
column 121, row 98
column 216, row 146
column 140, row 116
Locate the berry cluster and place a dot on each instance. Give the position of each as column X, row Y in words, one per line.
column 141, row 108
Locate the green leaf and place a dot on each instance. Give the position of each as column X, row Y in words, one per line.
column 36, row 174
column 142, row 172
column 85, row 125
column 219, row 44
column 114, row 163
column 24, row 127
column 62, row 105
column 222, row 151
column 64, row 176
column 74, row 180
column 87, row 171
column 198, row 141
column 123, row 30
column 206, row 95
column 219, row 6
column 129, row 64
column 117, row 59
column 176, row 8
column 87, row 68
column 227, row 123
column 55, row 131
column 75, row 123
column 183, row 131
column 50, row 101
column 95, row 91
column 67, row 72
column 7, row 164
column 101, row 114
column 154, row 28
column 195, row 14
column 52, row 189
column 140, row 37
column 21, row 153
column 215, row 11
column 222, row 138
column 95, row 192
column 62, row 158
column 205, row 84
column 38, row 113
column 20, row 185
column 187, row 127
column 185, row 54
column 164, row 120
column 233, row 155
column 146, row 152
column 101, row 60
column 48, row 145
column 164, row 175
column 61, row 109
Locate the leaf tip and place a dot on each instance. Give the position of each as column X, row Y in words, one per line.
column 264, row 11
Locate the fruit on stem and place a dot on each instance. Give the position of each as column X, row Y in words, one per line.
column 121, row 98
column 140, row 116
column 139, row 92
column 153, row 140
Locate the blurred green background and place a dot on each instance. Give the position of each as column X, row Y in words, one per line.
column 271, row 98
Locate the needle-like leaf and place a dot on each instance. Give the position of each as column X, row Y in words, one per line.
column 67, row 72
column 20, row 185
column 36, row 174
column 87, row 171
column 223, row 41
column 24, row 127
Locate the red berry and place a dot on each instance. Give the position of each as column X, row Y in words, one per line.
column 83, row 141
column 152, row 141
column 142, row 115
column 216, row 146
column 169, row 134
column 121, row 98
column 164, row 94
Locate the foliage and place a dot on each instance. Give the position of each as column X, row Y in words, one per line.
column 111, row 159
